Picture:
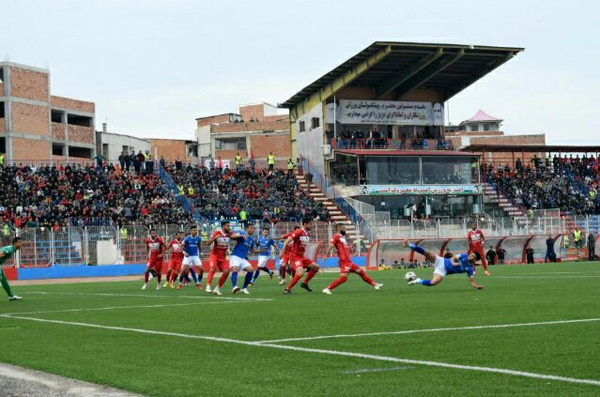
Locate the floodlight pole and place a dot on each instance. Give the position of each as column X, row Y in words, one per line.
column 334, row 119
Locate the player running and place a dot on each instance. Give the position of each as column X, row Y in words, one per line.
column 237, row 261
column 338, row 241
column 176, row 259
column 461, row 263
column 284, row 261
column 6, row 253
column 155, row 246
column 265, row 245
column 476, row 243
column 191, row 260
column 219, row 240
column 299, row 262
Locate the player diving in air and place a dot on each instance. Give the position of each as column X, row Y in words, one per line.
column 461, row 263
column 338, row 241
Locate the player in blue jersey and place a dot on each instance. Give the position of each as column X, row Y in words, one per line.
column 265, row 246
column 191, row 261
column 244, row 245
column 461, row 263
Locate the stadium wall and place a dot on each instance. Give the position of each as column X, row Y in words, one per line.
column 309, row 142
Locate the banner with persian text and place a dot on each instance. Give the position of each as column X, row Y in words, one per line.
column 387, row 112
column 419, row 190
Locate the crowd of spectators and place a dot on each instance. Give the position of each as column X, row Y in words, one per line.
column 53, row 197
column 245, row 193
column 569, row 183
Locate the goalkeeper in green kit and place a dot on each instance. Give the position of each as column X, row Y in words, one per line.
column 6, row 253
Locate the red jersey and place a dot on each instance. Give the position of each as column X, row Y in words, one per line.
column 286, row 248
column 342, row 247
column 475, row 238
column 221, row 244
column 177, row 249
column 155, row 247
column 301, row 239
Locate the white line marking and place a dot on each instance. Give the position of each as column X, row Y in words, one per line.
column 91, row 309
column 152, row 296
column 367, row 370
column 533, row 375
column 541, row 278
column 418, row 331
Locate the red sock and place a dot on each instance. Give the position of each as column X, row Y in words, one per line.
column 309, row 276
column 211, row 275
column 366, row 277
column 222, row 279
column 159, row 276
column 294, row 281
column 483, row 263
column 338, row 281
column 146, row 276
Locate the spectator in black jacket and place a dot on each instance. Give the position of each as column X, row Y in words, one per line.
column 491, row 255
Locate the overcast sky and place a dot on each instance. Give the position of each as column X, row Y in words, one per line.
column 153, row 66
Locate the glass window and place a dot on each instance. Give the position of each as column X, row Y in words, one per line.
column 392, row 170
column 441, row 170
column 344, row 170
column 486, row 127
column 474, row 127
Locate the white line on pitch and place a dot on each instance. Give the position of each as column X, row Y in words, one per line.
column 367, row 370
column 418, row 331
column 151, row 296
column 91, row 309
column 533, row 375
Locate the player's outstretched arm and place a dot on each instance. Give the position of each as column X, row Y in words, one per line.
column 474, row 284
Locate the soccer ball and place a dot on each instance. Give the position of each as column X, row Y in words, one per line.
column 410, row 276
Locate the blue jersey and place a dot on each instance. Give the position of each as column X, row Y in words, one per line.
column 243, row 245
column 264, row 245
column 190, row 245
column 464, row 265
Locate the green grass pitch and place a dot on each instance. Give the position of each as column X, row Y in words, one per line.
column 187, row 343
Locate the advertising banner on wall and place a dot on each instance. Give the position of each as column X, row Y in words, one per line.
column 419, row 190
column 387, row 112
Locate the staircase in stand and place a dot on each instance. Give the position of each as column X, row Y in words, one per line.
column 498, row 198
column 335, row 214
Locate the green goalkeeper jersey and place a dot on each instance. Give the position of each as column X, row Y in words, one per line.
column 8, row 251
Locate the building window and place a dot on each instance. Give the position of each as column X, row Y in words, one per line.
column 486, row 127
column 80, row 152
column 57, row 149
column 230, row 144
column 474, row 127
column 2, row 114
column 315, row 122
column 105, row 150
column 57, row 116
column 82, row 121
column 302, row 126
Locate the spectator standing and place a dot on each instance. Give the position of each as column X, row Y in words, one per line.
column 577, row 237
column 299, row 166
column 290, row 166
column 309, row 179
column 238, row 161
column 271, row 161
column 162, row 161
column 122, row 160
column 591, row 243
column 529, row 253
column 149, row 163
column 501, row 252
column 1, row 159
column 550, row 254
column 139, row 161
column 252, row 164
column 491, row 255
column 243, row 216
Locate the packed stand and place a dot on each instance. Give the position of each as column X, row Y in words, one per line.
column 569, row 183
column 51, row 196
column 245, row 193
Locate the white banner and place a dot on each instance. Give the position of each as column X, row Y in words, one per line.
column 387, row 112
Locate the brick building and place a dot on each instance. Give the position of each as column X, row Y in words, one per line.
column 174, row 149
column 256, row 130
column 35, row 125
column 485, row 130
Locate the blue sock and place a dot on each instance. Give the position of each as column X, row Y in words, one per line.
column 181, row 279
column 255, row 276
column 426, row 283
column 193, row 273
column 416, row 248
column 266, row 269
column 186, row 277
column 200, row 276
column 248, row 279
column 234, row 279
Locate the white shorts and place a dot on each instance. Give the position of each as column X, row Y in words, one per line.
column 240, row 263
column 440, row 267
column 262, row 260
column 192, row 261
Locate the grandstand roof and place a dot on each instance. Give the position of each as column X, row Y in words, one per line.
column 533, row 148
column 403, row 67
column 383, row 152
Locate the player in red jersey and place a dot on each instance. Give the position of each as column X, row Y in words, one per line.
column 299, row 262
column 176, row 259
column 220, row 240
column 284, row 262
column 156, row 247
column 476, row 243
column 338, row 241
